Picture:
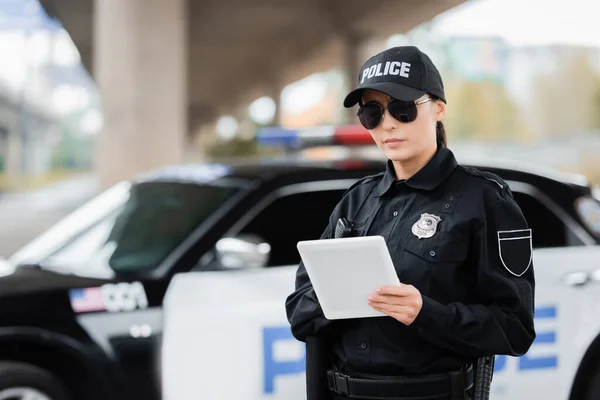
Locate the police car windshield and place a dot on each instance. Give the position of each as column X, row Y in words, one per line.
column 137, row 233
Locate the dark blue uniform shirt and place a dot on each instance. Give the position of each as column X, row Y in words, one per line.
column 458, row 236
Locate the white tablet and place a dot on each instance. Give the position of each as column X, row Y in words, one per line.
column 345, row 271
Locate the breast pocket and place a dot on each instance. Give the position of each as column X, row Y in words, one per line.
column 436, row 263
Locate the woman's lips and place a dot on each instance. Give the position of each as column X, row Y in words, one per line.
column 393, row 142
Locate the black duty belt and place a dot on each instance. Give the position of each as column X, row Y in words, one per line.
column 450, row 385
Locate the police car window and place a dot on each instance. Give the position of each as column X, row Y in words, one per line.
column 138, row 236
column 292, row 218
column 548, row 230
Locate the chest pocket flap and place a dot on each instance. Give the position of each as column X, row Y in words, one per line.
column 441, row 248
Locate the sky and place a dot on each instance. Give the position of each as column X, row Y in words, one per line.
column 526, row 22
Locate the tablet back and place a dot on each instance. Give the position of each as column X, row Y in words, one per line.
column 345, row 271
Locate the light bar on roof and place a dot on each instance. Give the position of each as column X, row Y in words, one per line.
column 317, row 136
column 349, row 135
column 274, row 135
column 353, row 135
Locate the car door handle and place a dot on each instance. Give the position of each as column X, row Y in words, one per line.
column 577, row 278
column 582, row 278
column 140, row 331
column 595, row 276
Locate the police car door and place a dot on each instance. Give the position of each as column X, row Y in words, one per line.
column 220, row 325
column 566, row 305
column 130, row 251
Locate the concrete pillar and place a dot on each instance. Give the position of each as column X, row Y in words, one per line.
column 13, row 141
column 276, row 89
column 351, row 66
column 140, row 66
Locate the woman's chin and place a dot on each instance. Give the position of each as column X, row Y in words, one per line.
column 399, row 154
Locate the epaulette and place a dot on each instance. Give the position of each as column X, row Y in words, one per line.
column 366, row 179
column 485, row 175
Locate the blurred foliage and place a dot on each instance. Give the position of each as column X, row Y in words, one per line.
column 591, row 167
column 233, row 147
column 568, row 100
column 238, row 147
column 73, row 152
column 482, row 111
column 596, row 105
column 18, row 182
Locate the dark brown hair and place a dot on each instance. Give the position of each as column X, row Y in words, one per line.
column 440, row 130
column 440, row 133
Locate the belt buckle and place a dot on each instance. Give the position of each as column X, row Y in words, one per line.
column 340, row 384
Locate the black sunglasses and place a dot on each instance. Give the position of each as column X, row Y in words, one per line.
column 371, row 113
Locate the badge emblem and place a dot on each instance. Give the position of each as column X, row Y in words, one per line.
column 426, row 226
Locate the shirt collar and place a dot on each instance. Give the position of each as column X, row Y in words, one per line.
column 429, row 177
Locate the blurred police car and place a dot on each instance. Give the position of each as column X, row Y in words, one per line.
column 81, row 313
column 226, row 335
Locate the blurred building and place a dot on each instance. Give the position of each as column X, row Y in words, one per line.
column 27, row 131
column 476, row 59
column 42, row 84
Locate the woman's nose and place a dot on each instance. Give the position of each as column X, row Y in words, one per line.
column 388, row 122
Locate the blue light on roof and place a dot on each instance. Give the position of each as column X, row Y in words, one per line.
column 277, row 136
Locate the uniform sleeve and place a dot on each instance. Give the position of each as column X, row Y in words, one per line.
column 500, row 320
column 303, row 310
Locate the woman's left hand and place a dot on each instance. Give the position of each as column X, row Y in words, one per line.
column 402, row 302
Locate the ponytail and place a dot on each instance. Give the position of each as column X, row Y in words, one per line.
column 440, row 133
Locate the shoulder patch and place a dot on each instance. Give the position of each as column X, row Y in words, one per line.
column 485, row 175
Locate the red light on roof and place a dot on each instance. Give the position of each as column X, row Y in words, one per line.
column 352, row 135
column 350, row 164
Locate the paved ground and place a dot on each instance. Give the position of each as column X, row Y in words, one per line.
column 25, row 215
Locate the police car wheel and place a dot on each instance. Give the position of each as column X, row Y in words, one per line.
column 25, row 381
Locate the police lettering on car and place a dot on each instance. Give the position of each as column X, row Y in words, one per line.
column 459, row 242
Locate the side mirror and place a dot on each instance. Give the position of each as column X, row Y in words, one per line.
column 242, row 252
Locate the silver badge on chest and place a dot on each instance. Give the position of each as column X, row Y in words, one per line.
column 426, row 226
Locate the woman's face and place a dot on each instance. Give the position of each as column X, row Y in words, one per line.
column 402, row 141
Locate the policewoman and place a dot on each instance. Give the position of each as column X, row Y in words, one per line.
column 458, row 240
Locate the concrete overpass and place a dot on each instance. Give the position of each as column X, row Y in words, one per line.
column 165, row 68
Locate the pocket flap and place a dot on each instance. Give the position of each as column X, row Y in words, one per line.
column 442, row 249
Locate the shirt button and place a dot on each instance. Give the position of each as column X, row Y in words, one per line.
column 432, row 253
column 395, row 213
column 451, row 197
column 420, row 330
column 446, row 205
column 363, row 346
